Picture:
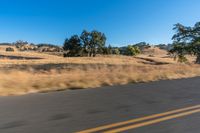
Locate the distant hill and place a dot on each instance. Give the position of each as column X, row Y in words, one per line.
column 38, row 47
column 154, row 51
column 8, row 44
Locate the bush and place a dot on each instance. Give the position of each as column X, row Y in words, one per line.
column 9, row 49
column 132, row 50
column 116, row 51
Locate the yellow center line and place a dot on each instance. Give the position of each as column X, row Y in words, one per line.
column 137, row 120
column 150, row 122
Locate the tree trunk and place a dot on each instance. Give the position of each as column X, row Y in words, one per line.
column 94, row 52
column 90, row 53
column 198, row 59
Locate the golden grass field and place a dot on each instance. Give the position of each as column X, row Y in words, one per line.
column 30, row 72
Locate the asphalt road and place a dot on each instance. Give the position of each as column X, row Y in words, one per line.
column 78, row 110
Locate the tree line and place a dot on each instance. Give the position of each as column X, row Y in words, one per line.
column 92, row 43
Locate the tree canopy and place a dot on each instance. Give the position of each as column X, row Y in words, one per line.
column 186, row 41
column 132, row 50
column 89, row 43
column 73, row 46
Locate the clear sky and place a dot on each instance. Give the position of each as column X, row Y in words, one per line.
column 123, row 21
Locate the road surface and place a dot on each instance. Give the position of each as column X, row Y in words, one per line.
column 156, row 107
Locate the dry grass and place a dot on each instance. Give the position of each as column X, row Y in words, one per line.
column 154, row 51
column 77, row 73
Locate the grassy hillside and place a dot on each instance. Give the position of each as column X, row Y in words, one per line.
column 28, row 72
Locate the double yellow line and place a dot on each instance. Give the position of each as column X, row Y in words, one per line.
column 144, row 121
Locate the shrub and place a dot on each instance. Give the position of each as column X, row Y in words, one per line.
column 132, row 50
column 116, row 51
column 9, row 49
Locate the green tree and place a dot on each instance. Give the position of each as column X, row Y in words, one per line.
column 73, row 46
column 116, row 51
column 186, row 41
column 20, row 43
column 87, row 42
column 132, row 50
column 93, row 42
column 180, row 50
column 195, row 50
column 98, row 41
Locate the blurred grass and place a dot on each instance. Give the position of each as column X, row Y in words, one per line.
column 53, row 73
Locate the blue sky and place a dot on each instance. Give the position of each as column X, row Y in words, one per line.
column 123, row 21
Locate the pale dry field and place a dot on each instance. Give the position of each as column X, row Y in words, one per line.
column 30, row 72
